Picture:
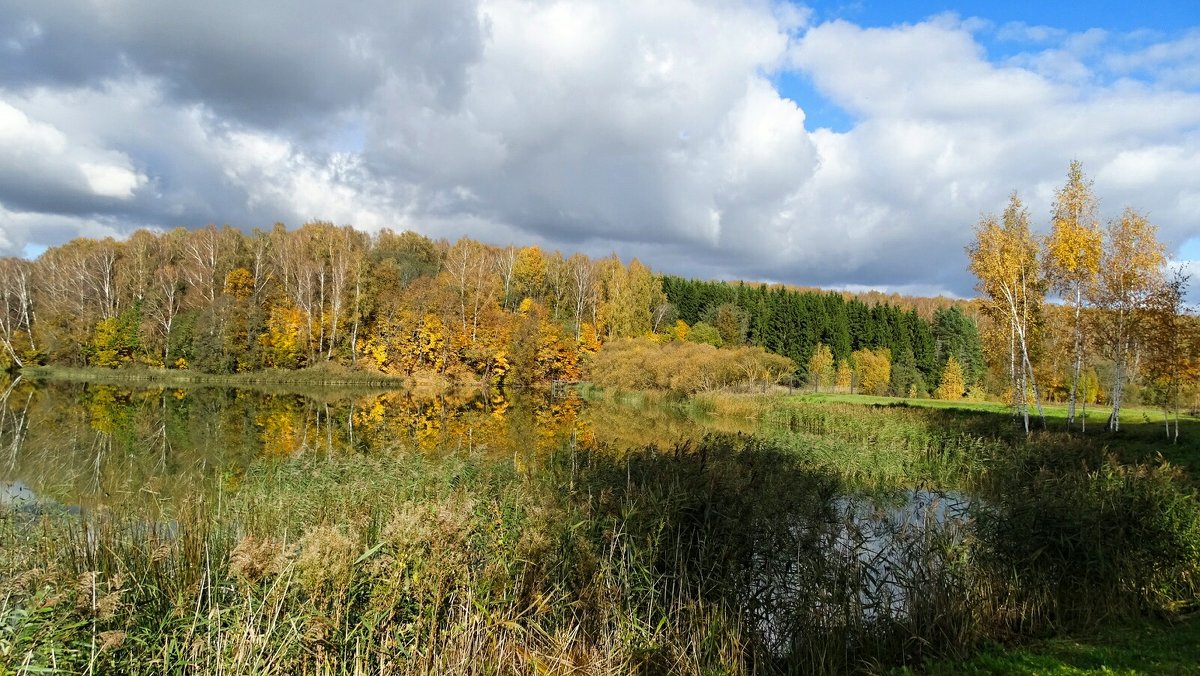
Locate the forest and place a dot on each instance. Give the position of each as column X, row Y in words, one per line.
column 215, row 300
column 1082, row 315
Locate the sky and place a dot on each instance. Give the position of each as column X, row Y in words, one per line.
column 836, row 144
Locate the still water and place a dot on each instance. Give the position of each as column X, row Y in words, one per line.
column 91, row 446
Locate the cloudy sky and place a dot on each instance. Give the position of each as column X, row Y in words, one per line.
column 836, row 144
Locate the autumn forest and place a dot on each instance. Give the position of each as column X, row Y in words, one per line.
column 217, row 300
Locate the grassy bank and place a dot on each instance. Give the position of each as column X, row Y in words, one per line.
column 1142, row 437
column 1151, row 647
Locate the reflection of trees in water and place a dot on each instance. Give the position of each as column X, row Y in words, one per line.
column 14, row 423
column 93, row 444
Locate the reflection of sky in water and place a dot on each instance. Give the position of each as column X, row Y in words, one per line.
column 885, row 535
column 874, row 554
column 16, row 494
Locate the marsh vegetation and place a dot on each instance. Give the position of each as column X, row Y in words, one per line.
column 205, row 530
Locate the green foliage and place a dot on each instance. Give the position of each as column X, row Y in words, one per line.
column 706, row 333
column 906, row 379
column 731, row 321
column 1077, row 522
column 957, row 336
column 792, row 323
column 115, row 340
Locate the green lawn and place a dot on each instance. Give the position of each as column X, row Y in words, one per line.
column 1142, row 436
column 1147, row 648
column 1096, row 415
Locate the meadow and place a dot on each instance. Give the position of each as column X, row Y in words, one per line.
column 722, row 534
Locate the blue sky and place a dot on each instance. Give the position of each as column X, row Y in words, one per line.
column 1129, row 23
column 1077, row 17
column 837, row 144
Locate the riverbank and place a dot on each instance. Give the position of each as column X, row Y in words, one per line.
column 1148, row 647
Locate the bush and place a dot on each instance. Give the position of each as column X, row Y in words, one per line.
column 684, row 368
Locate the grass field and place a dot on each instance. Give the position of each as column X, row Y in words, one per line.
column 1142, row 648
column 1143, row 435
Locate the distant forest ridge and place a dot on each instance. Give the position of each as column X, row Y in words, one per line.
column 925, row 306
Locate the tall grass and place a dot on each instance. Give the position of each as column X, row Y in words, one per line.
column 733, row 554
column 724, row 557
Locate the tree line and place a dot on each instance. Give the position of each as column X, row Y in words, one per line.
column 878, row 349
column 218, row 300
column 1122, row 311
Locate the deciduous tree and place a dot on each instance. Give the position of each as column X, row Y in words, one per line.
column 821, row 367
column 1130, row 273
column 953, row 384
column 1072, row 260
column 1004, row 259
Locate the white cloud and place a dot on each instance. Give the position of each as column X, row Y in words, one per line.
column 1174, row 63
column 1019, row 31
column 42, row 163
column 649, row 128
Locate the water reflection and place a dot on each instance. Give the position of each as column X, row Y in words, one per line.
column 97, row 445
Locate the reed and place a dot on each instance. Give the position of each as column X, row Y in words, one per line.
column 801, row 548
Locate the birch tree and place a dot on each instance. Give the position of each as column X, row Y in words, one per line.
column 1170, row 350
column 16, row 310
column 1130, row 272
column 1072, row 260
column 1004, row 259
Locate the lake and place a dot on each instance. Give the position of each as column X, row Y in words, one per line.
column 90, row 446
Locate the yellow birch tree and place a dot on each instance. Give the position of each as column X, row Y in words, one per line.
column 1130, row 273
column 1004, row 259
column 1072, row 260
column 820, row 367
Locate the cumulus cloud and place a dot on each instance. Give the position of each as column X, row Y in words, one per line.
column 44, row 169
column 649, row 129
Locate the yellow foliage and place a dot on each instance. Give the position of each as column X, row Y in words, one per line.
column 953, row 383
column 239, row 283
column 845, row 376
column 681, row 330
column 283, row 343
column 589, row 340
column 1073, row 248
column 820, row 367
column 874, row 370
